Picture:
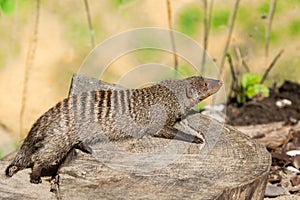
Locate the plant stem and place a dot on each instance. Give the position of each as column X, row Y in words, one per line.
column 91, row 29
column 271, row 66
column 207, row 22
column 231, row 25
column 169, row 11
column 28, row 64
column 269, row 25
column 233, row 75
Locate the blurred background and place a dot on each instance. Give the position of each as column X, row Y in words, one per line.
column 42, row 46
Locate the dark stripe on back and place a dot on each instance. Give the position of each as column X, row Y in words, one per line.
column 122, row 101
column 128, row 97
column 100, row 103
column 115, row 99
column 108, row 102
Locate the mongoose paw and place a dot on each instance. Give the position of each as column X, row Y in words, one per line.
column 35, row 180
column 197, row 140
column 11, row 170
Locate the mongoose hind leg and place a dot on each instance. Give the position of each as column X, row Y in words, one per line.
column 173, row 133
column 35, row 176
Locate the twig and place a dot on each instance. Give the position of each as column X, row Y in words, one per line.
column 91, row 29
column 231, row 25
column 172, row 36
column 239, row 59
column 28, row 64
column 242, row 62
column 233, row 74
column 207, row 22
column 271, row 66
column 269, row 25
column 245, row 65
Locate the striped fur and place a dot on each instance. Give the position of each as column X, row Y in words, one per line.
column 113, row 114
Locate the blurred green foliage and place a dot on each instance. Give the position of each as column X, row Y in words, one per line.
column 186, row 70
column 7, row 6
column 148, row 55
column 264, row 7
column 219, row 19
column 80, row 31
column 199, row 107
column 121, row 2
column 294, row 27
column 190, row 19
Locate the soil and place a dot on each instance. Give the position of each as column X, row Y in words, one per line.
column 284, row 174
column 262, row 111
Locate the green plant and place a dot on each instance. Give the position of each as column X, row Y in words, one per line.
column 190, row 19
column 251, row 87
column 121, row 2
column 245, row 84
column 220, row 19
column 7, row 6
column 199, row 107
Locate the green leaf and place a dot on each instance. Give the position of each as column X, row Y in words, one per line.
column 220, row 19
column 121, row 2
column 250, row 79
column 190, row 19
column 199, row 107
column 7, row 5
column 254, row 90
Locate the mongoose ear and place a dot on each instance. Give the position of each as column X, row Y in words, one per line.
column 84, row 148
column 190, row 92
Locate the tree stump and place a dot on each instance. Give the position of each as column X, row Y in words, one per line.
column 229, row 166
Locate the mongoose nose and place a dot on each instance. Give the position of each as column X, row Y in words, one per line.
column 213, row 83
column 220, row 83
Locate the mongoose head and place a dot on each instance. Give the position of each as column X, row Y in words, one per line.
column 11, row 170
column 190, row 91
column 199, row 88
column 20, row 162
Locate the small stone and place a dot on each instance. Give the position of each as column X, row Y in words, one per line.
column 273, row 191
column 295, row 180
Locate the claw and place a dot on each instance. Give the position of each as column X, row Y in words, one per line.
column 197, row 140
column 35, row 180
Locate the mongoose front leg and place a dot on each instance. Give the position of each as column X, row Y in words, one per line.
column 55, row 185
column 35, row 176
column 169, row 132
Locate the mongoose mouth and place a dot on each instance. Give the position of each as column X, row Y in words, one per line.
column 213, row 85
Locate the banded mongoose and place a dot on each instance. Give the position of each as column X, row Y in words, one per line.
column 116, row 114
